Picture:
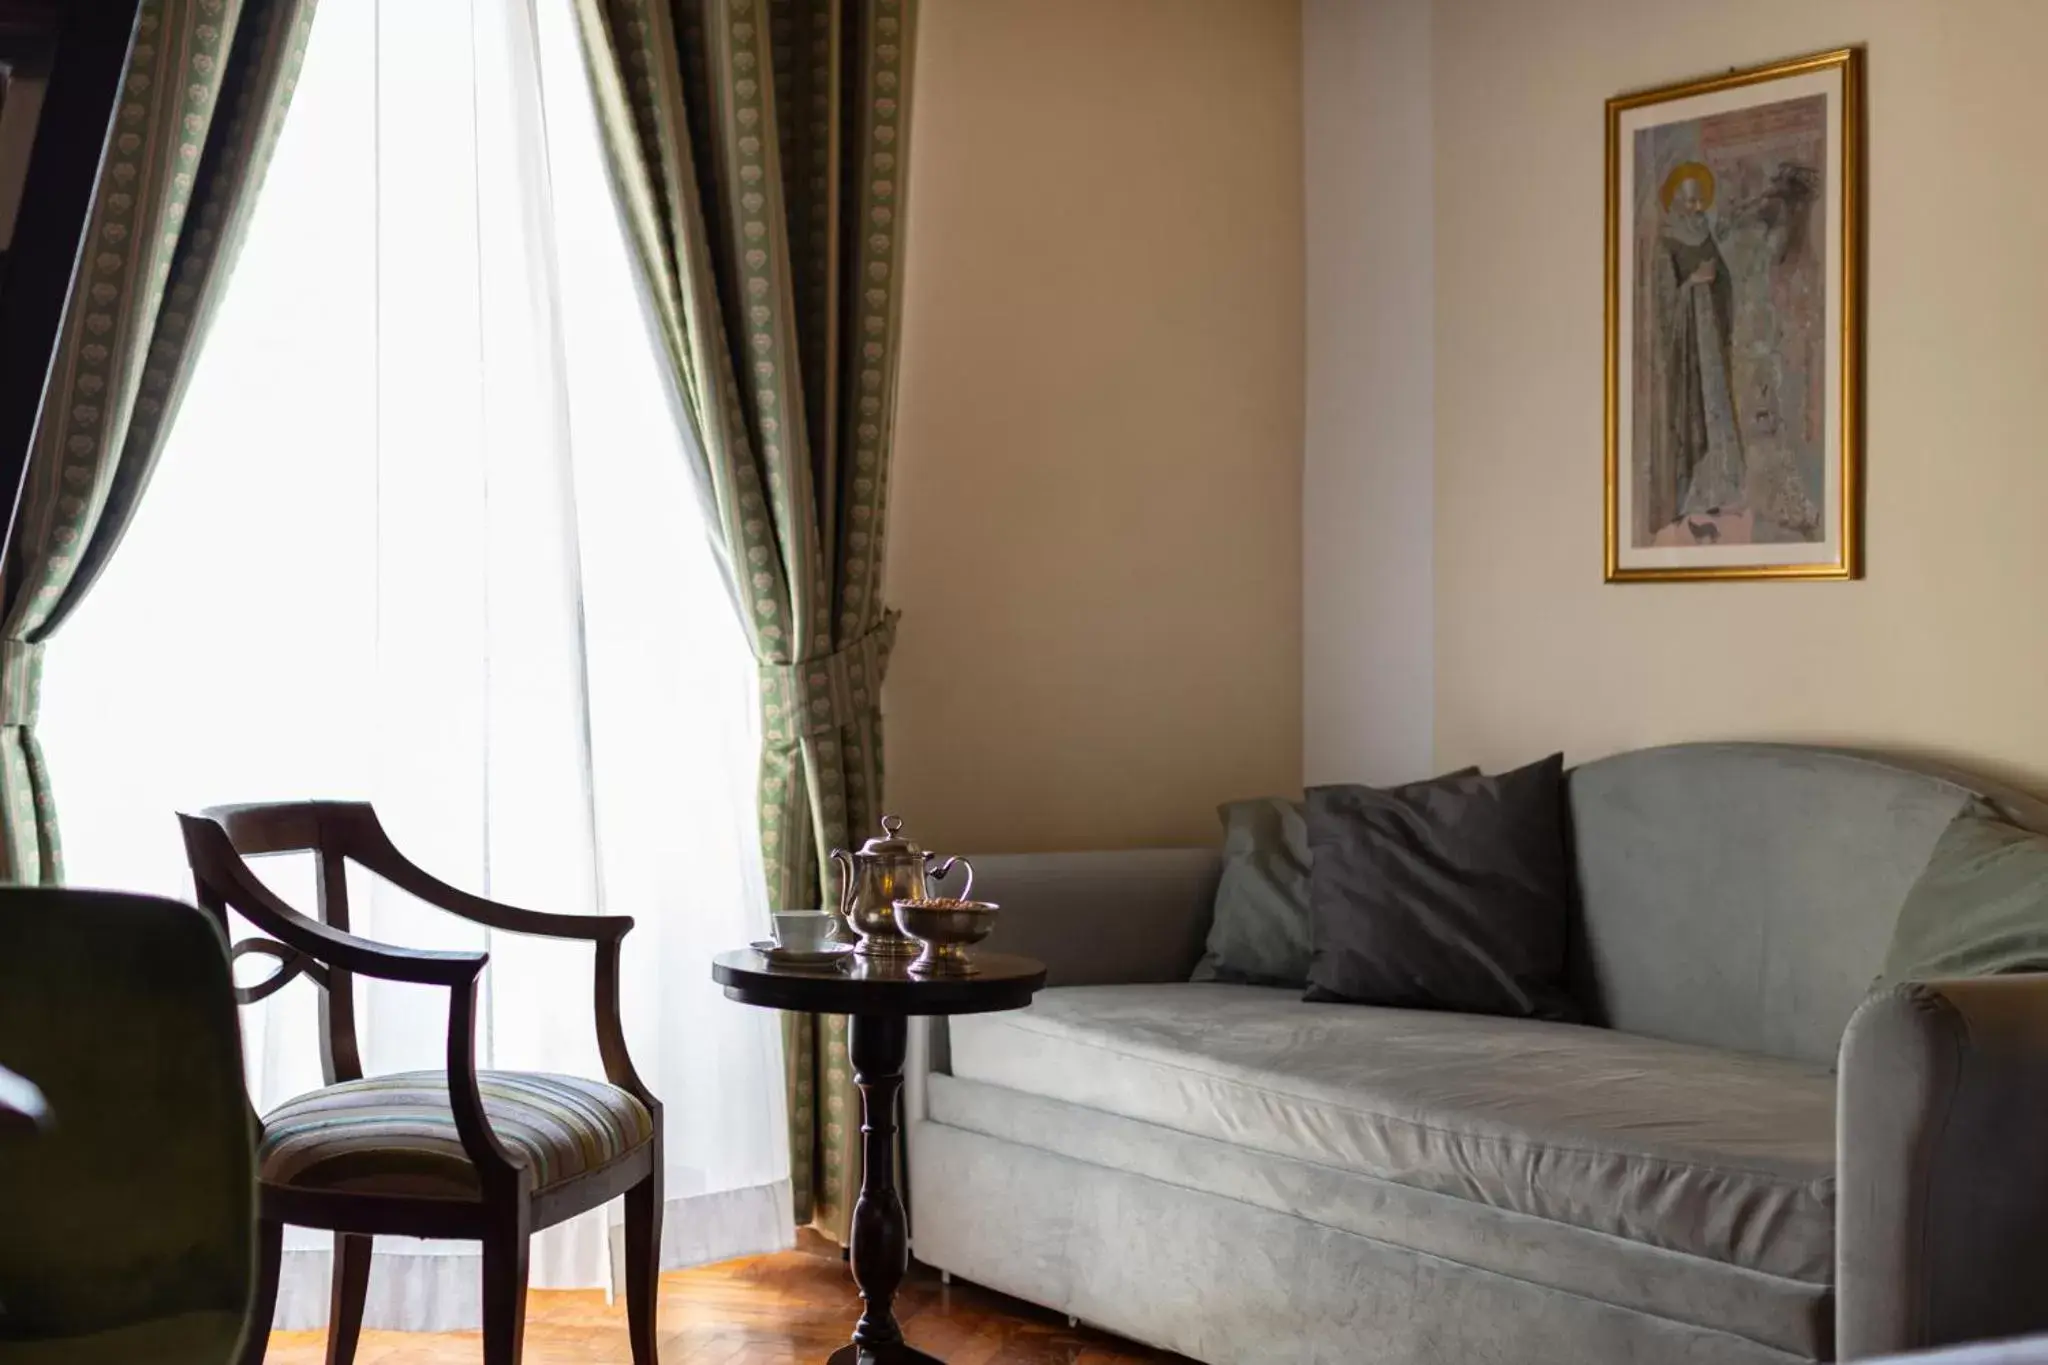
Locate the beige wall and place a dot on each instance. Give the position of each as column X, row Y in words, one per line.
column 1367, row 470
column 1096, row 510
column 1944, row 647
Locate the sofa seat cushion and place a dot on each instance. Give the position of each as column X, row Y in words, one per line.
column 396, row 1134
column 989, row 1139
column 1709, row 1153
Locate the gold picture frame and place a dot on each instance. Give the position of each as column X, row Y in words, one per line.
column 1734, row 345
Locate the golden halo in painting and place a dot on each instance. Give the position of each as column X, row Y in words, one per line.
column 1690, row 170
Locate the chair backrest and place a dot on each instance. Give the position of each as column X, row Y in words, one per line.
column 138, row 1202
column 325, row 829
column 1742, row 895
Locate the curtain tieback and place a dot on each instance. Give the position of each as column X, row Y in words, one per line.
column 21, row 681
column 821, row 696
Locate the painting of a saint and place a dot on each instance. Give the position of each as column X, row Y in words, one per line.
column 1697, row 459
column 1728, row 208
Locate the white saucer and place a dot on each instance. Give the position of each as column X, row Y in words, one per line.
column 829, row 956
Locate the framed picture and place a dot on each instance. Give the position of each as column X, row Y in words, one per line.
column 1734, row 324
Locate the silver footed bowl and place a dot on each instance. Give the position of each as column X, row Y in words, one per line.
column 945, row 929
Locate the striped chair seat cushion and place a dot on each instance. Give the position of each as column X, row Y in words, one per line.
column 396, row 1134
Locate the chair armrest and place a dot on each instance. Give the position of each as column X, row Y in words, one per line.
column 369, row 845
column 456, row 971
column 368, row 957
column 1942, row 1169
column 224, row 882
column 1126, row 916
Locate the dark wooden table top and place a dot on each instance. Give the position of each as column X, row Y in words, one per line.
column 878, row 986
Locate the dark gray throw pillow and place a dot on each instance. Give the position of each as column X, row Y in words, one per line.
column 1258, row 935
column 1259, row 928
column 1447, row 894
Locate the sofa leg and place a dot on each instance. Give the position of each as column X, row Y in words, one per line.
column 945, row 1277
column 1073, row 1321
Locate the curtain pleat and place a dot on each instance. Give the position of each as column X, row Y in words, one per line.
column 758, row 147
column 200, row 105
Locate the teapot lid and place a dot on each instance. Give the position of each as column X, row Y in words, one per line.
column 891, row 843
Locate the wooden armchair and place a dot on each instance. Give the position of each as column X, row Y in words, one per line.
column 455, row 1153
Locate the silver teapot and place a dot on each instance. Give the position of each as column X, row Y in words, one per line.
column 882, row 872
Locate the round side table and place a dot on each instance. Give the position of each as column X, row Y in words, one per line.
column 880, row 996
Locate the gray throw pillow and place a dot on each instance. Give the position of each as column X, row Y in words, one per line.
column 1447, row 894
column 1979, row 908
column 1259, row 933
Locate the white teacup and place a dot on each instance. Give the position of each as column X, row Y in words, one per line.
column 804, row 931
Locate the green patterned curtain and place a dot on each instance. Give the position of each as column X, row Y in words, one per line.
column 759, row 148
column 194, row 123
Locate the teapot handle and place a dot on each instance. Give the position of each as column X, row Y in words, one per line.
column 844, row 861
column 967, row 889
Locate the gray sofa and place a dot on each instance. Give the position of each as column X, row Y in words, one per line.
column 1233, row 1174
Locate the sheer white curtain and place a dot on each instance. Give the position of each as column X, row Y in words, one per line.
column 424, row 534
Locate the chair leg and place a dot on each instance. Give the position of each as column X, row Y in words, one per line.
column 263, row 1302
column 351, row 1287
column 643, row 1263
column 505, row 1247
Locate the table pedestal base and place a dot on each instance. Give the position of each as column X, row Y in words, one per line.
column 880, row 1246
column 880, row 1355
column 879, row 1001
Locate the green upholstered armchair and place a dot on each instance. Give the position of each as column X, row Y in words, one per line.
column 127, row 1224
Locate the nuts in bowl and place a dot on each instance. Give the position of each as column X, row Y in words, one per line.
column 946, row 928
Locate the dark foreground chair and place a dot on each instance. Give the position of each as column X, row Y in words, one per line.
column 24, row 1112
column 127, row 1216
column 491, row 1155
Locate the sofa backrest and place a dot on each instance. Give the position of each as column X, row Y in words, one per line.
column 1742, row 895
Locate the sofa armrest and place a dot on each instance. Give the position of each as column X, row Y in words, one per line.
column 1101, row 918
column 1126, row 916
column 1942, row 1202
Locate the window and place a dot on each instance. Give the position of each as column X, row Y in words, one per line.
column 424, row 533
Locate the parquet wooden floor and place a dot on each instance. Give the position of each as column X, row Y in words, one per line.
column 794, row 1308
